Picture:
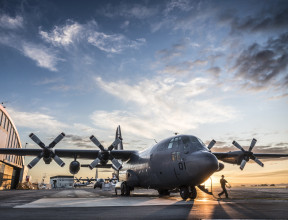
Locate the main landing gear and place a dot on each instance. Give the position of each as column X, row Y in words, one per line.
column 188, row 192
column 125, row 189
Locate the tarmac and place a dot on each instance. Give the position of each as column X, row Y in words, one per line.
column 87, row 203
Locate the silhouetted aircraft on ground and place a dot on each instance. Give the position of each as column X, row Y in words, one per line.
column 83, row 182
column 181, row 162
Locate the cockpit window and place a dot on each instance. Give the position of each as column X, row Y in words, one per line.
column 174, row 143
column 171, row 143
column 197, row 144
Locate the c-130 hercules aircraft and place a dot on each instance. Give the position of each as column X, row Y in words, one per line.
column 180, row 163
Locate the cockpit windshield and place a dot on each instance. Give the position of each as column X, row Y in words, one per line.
column 196, row 144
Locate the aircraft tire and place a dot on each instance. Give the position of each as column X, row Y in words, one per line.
column 125, row 190
column 193, row 193
column 184, row 192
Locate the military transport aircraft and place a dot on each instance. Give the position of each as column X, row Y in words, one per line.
column 85, row 182
column 181, row 162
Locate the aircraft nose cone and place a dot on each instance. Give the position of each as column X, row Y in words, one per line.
column 201, row 165
column 211, row 162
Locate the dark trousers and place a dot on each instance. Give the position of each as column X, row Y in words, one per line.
column 224, row 191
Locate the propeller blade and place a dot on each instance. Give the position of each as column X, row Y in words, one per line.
column 114, row 144
column 116, row 165
column 238, row 146
column 58, row 161
column 211, row 144
column 34, row 161
column 259, row 162
column 118, row 135
column 253, row 142
column 37, row 140
column 96, row 142
column 94, row 163
column 243, row 163
column 57, row 140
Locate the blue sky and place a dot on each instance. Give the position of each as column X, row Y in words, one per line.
column 215, row 69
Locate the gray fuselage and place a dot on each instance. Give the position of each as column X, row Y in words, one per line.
column 182, row 160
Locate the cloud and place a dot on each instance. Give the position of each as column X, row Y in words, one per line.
column 159, row 105
column 50, row 80
column 62, row 35
column 79, row 141
column 115, row 43
column 181, row 5
column 74, row 32
column 129, row 11
column 263, row 67
column 274, row 18
column 183, row 68
column 43, row 56
column 215, row 71
column 167, row 54
column 36, row 121
column 8, row 22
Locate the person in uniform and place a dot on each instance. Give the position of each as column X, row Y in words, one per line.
column 223, row 186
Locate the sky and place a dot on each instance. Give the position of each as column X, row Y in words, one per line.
column 213, row 69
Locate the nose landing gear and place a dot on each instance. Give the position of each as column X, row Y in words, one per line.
column 188, row 192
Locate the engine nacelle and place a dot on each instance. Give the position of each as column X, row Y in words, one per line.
column 74, row 167
column 47, row 160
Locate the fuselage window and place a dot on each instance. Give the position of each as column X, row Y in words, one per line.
column 170, row 143
column 174, row 156
column 178, row 156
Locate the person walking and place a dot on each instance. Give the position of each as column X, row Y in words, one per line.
column 223, row 186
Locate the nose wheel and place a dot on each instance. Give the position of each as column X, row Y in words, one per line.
column 188, row 192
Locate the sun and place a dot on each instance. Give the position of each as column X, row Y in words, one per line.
column 215, row 181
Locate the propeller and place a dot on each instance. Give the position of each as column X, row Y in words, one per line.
column 211, row 144
column 48, row 152
column 105, row 154
column 248, row 154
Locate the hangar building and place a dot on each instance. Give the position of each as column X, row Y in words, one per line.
column 11, row 166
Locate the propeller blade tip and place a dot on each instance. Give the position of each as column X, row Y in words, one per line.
column 91, row 137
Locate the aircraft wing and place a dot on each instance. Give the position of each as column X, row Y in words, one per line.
column 263, row 156
column 241, row 158
column 234, row 154
column 70, row 153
